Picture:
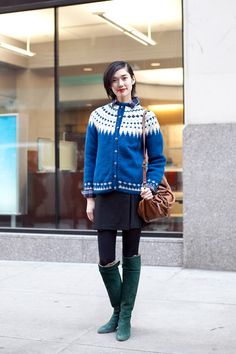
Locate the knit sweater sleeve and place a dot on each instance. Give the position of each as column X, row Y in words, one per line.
column 156, row 159
column 90, row 154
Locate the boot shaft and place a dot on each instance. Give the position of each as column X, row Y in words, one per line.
column 131, row 274
column 112, row 281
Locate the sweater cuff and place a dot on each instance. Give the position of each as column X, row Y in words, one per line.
column 152, row 188
column 152, row 185
column 88, row 193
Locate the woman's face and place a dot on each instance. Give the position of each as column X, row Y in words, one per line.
column 121, row 85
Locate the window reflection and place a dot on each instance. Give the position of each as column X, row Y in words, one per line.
column 27, row 93
column 149, row 36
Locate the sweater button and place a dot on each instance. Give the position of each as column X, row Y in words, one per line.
column 116, row 138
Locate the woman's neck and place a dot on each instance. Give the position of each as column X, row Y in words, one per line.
column 124, row 100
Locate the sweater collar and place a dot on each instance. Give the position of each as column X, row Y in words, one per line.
column 134, row 102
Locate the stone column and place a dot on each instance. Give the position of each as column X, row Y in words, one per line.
column 209, row 165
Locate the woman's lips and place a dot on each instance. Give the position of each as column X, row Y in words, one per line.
column 121, row 90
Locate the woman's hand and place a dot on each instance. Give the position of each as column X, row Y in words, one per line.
column 146, row 193
column 90, row 208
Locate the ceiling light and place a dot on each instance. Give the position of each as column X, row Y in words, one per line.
column 129, row 31
column 87, row 69
column 155, row 64
column 18, row 50
column 166, row 107
column 171, row 76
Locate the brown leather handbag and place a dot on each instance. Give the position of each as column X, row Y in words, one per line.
column 161, row 203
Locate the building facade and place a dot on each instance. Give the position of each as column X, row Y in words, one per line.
column 182, row 55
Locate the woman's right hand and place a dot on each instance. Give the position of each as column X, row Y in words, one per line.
column 90, row 208
column 146, row 193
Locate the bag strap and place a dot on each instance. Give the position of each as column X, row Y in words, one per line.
column 144, row 150
column 164, row 181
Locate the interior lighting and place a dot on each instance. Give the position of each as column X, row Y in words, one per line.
column 87, row 69
column 155, row 76
column 166, row 107
column 25, row 52
column 129, row 31
column 155, row 64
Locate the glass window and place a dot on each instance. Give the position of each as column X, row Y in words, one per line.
column 149, row 36
column 27, row 182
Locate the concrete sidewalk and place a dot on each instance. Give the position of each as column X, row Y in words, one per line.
column 55, row 308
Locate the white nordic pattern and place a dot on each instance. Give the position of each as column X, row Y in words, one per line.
column 105, row 121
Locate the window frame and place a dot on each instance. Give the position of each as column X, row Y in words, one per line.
column 8, row 6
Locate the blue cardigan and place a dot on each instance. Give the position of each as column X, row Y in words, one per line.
column 114, row 150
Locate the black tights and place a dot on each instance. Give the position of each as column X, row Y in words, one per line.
column 107, row 244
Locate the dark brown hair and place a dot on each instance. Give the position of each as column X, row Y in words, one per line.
column 110, row 72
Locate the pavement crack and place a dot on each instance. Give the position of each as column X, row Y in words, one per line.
column 131, row 350
column 213, row 329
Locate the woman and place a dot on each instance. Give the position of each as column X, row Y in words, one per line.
column 113, row 187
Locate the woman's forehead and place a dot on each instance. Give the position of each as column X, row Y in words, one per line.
column 120, row 72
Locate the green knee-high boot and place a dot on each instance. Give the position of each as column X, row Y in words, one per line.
column 112, row 280
column 131, row 274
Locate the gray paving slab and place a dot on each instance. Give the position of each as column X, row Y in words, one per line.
column 55, row 308
column 190, row 285
column 170, row 327
column 9, row 269
column 11, row 345
column 66, row 278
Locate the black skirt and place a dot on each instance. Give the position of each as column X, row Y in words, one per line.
column 117, row 211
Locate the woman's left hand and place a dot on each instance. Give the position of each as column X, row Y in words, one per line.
column 146, row 193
